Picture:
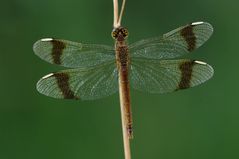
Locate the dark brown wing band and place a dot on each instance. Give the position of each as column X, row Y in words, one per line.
column 57, row 51
column 186, row 69
column 63, row 84
column 189, row 36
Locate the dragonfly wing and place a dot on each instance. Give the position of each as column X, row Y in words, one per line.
column 84, row 84
column 173, row 44
column 72, row 54
column 163, row 76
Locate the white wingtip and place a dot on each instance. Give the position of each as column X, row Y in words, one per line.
column 197, row 23
column 46, row 39
column 200, row 62
column 46, row 76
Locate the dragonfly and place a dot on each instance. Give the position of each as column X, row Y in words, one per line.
column 149, row 65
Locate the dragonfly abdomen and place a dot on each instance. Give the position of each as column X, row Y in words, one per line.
column 122, row 60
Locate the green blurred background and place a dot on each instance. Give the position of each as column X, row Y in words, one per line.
column 198, row 123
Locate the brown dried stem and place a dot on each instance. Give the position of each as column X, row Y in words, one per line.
column 117, row 23
column 117, row 17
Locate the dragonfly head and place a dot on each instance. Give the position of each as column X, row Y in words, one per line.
column 120, row 33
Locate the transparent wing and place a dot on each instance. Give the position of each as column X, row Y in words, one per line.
column 163, row 76
column 72, row 54
column 84, row 84
column 176, row 43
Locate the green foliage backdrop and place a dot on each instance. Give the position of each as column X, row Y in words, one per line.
column 198, row 123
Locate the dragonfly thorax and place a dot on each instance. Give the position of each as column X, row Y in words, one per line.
column 120, row 33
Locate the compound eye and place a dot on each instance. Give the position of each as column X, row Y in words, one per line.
column 114, row 34
column 125, row 32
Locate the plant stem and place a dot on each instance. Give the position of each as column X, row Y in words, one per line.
column 116, row 13
column 126, row 141
column 117, row 17
column 121, row 12
column 123, row 98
